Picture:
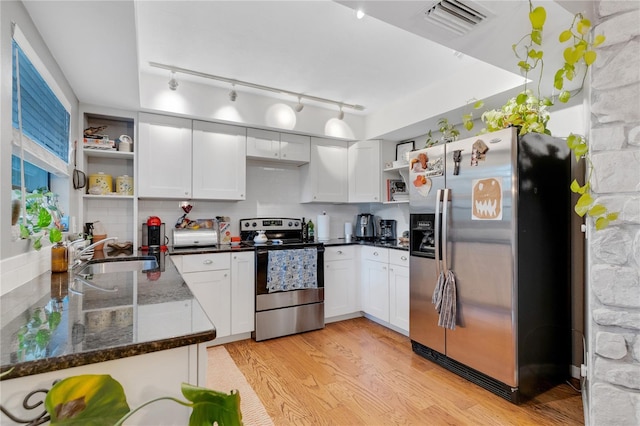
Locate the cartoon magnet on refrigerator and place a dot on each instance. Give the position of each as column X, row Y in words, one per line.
column 486, row 199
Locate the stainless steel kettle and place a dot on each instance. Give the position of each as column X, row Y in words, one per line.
column 365, row 227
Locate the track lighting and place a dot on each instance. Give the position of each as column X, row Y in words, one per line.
column 233, row 94
column 173, row 83
column 359, row 14
column 341, row 113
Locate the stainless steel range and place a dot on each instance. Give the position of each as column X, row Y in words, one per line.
column 289, row 278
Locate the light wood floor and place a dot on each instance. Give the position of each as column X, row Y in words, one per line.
column 357, row 372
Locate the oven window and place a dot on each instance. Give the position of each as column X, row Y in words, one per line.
column 292, row 269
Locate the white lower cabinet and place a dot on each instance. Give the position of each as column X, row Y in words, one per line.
column 399, row 289
column 340, row 281
column 224, row 284
column 243, row 292
column 385, row 285
column 375, row 282
column 209, row 278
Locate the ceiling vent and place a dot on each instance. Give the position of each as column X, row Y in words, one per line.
column 459, row 17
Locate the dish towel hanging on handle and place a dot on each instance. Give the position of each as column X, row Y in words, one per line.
column 444, row 297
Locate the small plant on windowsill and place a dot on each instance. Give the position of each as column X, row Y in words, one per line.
column 41, row 216
column 529, row 111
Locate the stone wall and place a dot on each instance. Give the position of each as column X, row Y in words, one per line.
column 614, row 253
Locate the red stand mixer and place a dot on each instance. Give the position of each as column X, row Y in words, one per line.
column 154, row 237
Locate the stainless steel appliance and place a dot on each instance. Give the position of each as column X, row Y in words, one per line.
column 201, row 237
column 387, row 231
column 365, row 227
column 494, row 210
column 289, row 278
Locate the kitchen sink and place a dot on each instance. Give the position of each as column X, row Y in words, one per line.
column 125, row 264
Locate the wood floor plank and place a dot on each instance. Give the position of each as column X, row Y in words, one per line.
column 357, row 372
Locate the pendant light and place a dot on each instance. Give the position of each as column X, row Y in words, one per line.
column 173, row 83
column 299, row 106
column 233, row 94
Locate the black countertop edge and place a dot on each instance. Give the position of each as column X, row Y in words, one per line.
column 101, row 355
column 228, row 249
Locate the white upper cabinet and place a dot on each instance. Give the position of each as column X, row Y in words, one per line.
column 295, row 148
column 324, row 178
column 219, row 161
column 364, row 172
column 164, row 156
column 265, row 144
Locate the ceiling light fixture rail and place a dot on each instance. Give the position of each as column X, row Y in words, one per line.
column 232, row 81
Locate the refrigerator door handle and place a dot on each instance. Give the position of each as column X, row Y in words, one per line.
column 445, row 220
column 437, row 230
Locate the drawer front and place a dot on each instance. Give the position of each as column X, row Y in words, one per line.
column 399, row 257
column 206, row 262
column 339, row 253
column 377, row 254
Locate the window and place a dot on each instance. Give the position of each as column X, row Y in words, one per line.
column 34, row 176
column 44, row 119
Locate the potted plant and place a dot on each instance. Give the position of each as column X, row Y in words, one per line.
column 41, row 216
column 529, row 110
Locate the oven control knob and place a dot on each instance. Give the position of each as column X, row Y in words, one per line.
column 254, row 224
column 246, row 224
column 290, row 224
column 296, row 223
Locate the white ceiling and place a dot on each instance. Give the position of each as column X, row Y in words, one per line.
column 312, row 47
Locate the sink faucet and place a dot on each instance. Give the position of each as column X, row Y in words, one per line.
column 75, row 257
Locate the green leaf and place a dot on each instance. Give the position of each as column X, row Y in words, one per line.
column 537, row 17
column 576, row 188
column 597, row 210
column 583, row 204
column 536, row 37
column 37, row 243
column 572, row 141
column 601, row 223
column 210, row 406
column 55, row 235
column 524, row 66
column 584, row 25
column 580, row 150
column 44, row 218
column 598, row 40
column 86, row 400
column 565, row 35
column 468, row 125
column 569, row 55
column 564, row 96
column 590, row 57
column 613, row 216
column 54, row 320
column 478, row 105
column 521, row 98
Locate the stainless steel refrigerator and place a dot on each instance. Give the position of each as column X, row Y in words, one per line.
column 495, row 211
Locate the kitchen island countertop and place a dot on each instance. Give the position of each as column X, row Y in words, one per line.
column 51, row 323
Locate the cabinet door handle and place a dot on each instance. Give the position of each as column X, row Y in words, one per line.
column 384, row 268
column 403, row 257
column 225, row 275
column 375, row 253
column 391, row 269
column 339, row 251
column 207, row 262
column 275, row 154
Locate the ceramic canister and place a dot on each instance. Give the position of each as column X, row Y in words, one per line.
column 100, row 184
column 124, row 185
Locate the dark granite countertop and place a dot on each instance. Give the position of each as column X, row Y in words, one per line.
column 342, row 242
column 54, row 322
column 332, row 242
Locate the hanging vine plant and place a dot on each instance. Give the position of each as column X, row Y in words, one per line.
column 529, row 110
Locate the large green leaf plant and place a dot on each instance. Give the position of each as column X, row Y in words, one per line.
column 100, row 400
column 529, row 111
column 41, row 218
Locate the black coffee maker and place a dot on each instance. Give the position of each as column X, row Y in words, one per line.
column 387, row 231
column 153, row 235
